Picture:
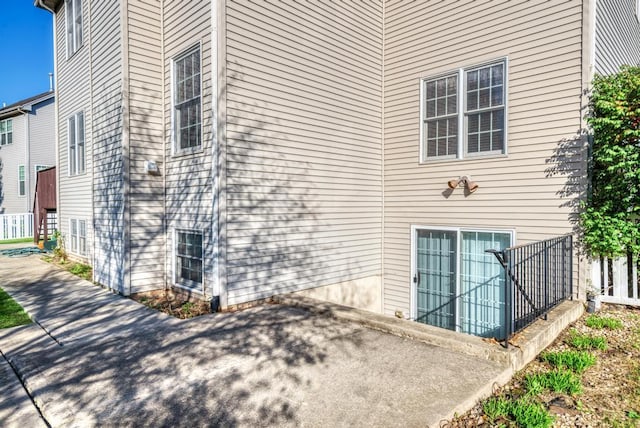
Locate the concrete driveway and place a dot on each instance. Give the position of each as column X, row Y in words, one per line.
column 95, row 358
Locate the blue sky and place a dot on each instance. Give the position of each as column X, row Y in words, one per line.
column 27, row 37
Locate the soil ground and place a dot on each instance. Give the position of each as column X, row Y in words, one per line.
column 173, row 304
column 611, row 387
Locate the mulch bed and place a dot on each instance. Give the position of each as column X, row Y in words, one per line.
column 611, row 388
column 173, row 304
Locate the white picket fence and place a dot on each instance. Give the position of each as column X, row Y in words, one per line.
column 16, row 226
column 617, row 279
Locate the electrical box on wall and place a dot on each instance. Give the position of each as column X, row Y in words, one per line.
column 151, row 167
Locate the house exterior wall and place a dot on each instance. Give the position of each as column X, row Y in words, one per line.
column 11, row 156
column 303, row 149
column 617, row 35
column 532, row 189
column 73, row 85
column 42, row 144
column 144, row 86
column 188, row 177
column 107, row 144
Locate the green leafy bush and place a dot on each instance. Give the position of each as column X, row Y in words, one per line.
column 610, row 218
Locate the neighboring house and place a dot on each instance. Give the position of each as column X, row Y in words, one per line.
column 27, row 145
column 241, row 149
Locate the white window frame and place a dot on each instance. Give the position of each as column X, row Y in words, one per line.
column 73, row 26
column 463, row 113
column 22, row 181
column 458, row 230
column 183, row 283
column 175, row 132
column 6, row 132
column 76, row 145
column 78, row 240
column 638, row 10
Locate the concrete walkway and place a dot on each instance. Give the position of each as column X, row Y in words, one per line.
column 95, row 358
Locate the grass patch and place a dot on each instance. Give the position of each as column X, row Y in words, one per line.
column 11, row 313
column 16, row 241
column 576, row 361
column 561, row 381
column 81, row 270
column 586, row 342
column 597, row 322
column 524, row 412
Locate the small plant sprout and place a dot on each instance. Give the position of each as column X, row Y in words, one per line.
column 597, row 322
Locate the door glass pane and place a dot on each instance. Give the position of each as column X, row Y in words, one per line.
column 436, row 271
column 482, row 284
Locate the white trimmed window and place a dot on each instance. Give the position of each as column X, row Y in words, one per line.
column 73, row 11
column 76, row 144
column 78, row 236
column 22, row 181
column 638, row 9
column 463, row 113
column 187, row 105
column 189, row 258
column 6, row 132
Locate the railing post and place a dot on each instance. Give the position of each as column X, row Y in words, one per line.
column 545, row 249
column 508, row 316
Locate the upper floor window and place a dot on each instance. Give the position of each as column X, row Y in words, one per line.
column 464, row 113
column 6, row 132
column 73, row 11
column 76, row 144
column 187, row 111
column 22, row 181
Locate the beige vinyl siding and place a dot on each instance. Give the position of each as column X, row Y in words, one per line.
column 532, row 189
column 41, row 140
column 303, row 145
column 146, row 192
column 74, row 95
column 617, row 35
column 11, row 157
column 189, row 192
column 108, row 188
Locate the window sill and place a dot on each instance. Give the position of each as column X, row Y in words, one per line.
column 465, row 159
column 188, row 152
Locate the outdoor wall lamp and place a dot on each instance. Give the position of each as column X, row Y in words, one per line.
column 464, row 181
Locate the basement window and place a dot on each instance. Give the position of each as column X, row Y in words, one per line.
column 189, row 258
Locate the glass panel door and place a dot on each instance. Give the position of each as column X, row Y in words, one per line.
column 482, row 284
column 436, row 255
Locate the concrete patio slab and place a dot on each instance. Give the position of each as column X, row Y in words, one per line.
column 101, row 359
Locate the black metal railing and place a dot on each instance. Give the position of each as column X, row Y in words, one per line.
column 538, row 276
